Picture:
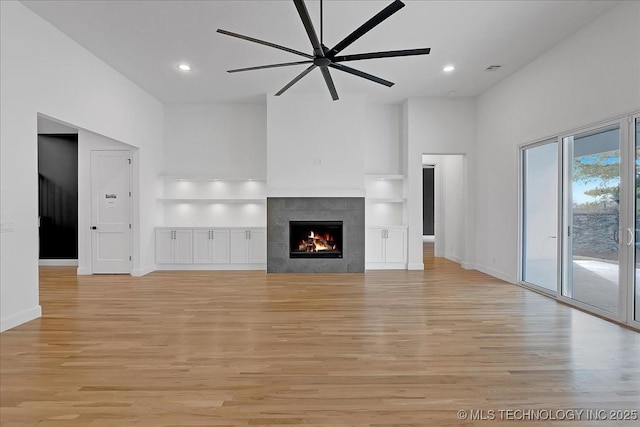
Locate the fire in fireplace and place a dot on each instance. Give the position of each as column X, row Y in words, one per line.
column 315, row 239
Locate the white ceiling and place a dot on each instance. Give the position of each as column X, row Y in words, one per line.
column 145, row 40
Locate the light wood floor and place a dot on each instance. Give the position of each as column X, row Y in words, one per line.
column 247, row 348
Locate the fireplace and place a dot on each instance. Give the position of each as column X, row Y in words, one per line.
column 315, row 239
column 285, row 213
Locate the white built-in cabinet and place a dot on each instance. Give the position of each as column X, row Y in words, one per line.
column 210, row 246
column 225, row 220
column 386, row 248
column 174, row 246
column 385, row 218
column 248, row 246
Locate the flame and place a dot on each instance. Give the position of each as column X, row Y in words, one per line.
column 317, row 242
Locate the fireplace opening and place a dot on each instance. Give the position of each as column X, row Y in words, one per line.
column 315, row 239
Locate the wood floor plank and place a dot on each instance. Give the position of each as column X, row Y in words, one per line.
column 385, row 348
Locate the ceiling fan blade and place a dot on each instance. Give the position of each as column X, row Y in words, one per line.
column 308, row 25
column 276, row 46
column 361, row 74
column 386, row 54
column 329, row 81
column 296, row 79
column 366, row 27
column 262, row 67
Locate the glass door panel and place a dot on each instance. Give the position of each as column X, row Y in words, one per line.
column 540, row 216
column 592, row 218
column 636, row 284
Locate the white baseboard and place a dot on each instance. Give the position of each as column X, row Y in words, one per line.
column 17, row 319
column 415, row 266
column 83, row 271
column 468, row 265
column 212, row 267
column 453, row 258
column 58, row 262
column 137, row 272
column 385, row 266
column 496, row 273
column 428, row 238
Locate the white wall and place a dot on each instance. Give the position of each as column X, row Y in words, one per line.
column 315, row 146
column 439, row 126
column 43, row 71
column 382, row 139
column 589, row 77
column 215, row 140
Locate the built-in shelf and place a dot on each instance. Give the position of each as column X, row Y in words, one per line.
column 382, row 177
column 386, row 200
column 212, row 201
column 197, row 200
column 206, row 178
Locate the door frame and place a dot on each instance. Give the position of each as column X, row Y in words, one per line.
column 631, row 280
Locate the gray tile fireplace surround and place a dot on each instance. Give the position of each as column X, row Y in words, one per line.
column 281, row 210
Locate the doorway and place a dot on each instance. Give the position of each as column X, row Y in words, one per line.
column 449, row 205
column 58, row 198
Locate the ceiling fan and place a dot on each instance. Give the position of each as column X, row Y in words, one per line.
column 326, row 58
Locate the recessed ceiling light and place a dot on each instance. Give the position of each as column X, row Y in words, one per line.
column 448, row 68
column 184, row 67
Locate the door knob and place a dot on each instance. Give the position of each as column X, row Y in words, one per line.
column 93, row 227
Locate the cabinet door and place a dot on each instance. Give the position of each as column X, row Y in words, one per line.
column 257, row 246
column 201, row 247
column 220, row 247
column 238, row 253
column 164, row 247
column 374, row 251
column 183, row 248
column 396, row 245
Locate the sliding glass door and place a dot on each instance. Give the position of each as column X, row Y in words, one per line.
column 580, row 219
column 591, row 223
column 540, row 215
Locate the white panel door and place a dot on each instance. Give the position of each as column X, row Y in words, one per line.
column 164, row 247
column 220, row 247
column 238, row 250
column 374, row 251
column 396, row 245
column 257, row 246
column 183, row 247
column 202, row 246
column 110, row 212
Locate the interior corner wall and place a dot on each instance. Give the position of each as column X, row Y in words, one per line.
column 439, row 126
column 35, row 77
column 592, row 76
column 227, row 141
